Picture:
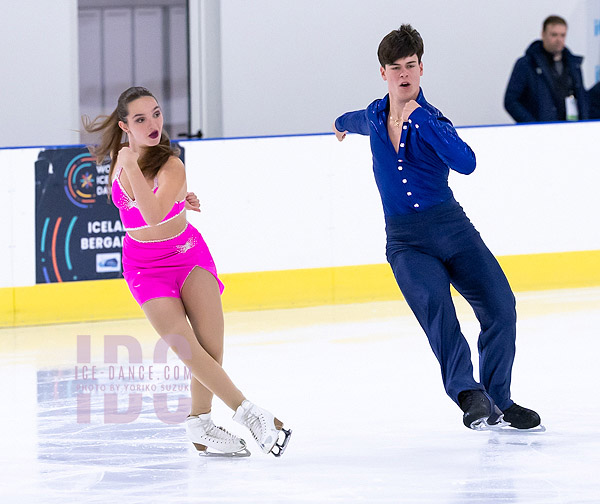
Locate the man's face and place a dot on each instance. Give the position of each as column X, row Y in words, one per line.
column 403, row 77
column 553, row 38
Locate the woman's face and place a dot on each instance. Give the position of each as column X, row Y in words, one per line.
column 144, row 122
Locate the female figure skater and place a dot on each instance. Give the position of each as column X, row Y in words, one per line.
column 170, row 271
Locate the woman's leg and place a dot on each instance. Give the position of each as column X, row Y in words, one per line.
column 202, row 302
column 168, row 317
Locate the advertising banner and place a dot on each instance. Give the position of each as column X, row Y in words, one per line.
column 78, row 232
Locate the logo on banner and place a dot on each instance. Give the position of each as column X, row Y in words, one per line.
column 105, row 263
column 80, row 180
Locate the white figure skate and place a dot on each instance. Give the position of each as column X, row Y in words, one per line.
column 265, row 428
column 204, row 434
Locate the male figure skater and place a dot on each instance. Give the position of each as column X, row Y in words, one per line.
column 431, row 244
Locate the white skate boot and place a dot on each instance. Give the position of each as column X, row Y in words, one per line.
column 204, row 434
column 264, row 427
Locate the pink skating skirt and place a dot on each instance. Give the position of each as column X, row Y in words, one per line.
column 160, row 268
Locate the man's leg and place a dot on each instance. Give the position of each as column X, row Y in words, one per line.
column 476, row 274
column 425, row 284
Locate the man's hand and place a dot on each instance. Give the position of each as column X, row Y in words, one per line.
column 338, row 134
column 408, row 109
column 192, row 202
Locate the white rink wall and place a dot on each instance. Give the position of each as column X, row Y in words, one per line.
column 280, row 203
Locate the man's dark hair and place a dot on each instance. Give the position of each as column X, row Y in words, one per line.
column 552, row 20
column 400, row 43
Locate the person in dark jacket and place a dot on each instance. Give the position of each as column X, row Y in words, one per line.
column 546, row 84
column 594, row 101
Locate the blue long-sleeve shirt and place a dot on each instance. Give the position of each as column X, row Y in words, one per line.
column 415, row 178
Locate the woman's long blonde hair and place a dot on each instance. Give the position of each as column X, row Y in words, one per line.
column 111, row 141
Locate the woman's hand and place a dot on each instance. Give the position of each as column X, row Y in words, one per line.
column 127, row 157
column 192, row 202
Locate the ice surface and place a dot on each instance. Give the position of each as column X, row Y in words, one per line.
column 358, row 385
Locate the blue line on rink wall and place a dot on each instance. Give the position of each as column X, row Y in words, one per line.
column 300, row 135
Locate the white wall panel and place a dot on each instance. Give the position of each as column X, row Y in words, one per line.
column 535, row 188
column 90, row 61
column 178, row 71
column 291, row 67
column 148, row 50
column 17, row 207
column 118, row 52
column 39, row 91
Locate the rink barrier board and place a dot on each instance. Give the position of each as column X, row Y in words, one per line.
column 110, row 299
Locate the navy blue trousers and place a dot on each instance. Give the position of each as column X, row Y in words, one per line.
column 428, row 252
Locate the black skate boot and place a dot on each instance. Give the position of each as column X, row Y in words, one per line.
column 477, row 407
column 521, row 418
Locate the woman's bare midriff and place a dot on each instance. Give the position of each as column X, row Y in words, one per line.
column 161, row 231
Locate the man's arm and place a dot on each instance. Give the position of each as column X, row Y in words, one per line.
column 351, row 122
column 441, row 136
column 514, row 92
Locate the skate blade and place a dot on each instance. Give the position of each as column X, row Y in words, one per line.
column 279, row 448
column 215, row 454
column 483, row 425
column 203, row 451
column 509, row 429
column 503, row 426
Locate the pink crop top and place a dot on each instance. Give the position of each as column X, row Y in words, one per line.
column 131, row 217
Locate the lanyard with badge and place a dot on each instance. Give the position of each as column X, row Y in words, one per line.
column 571, row 108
